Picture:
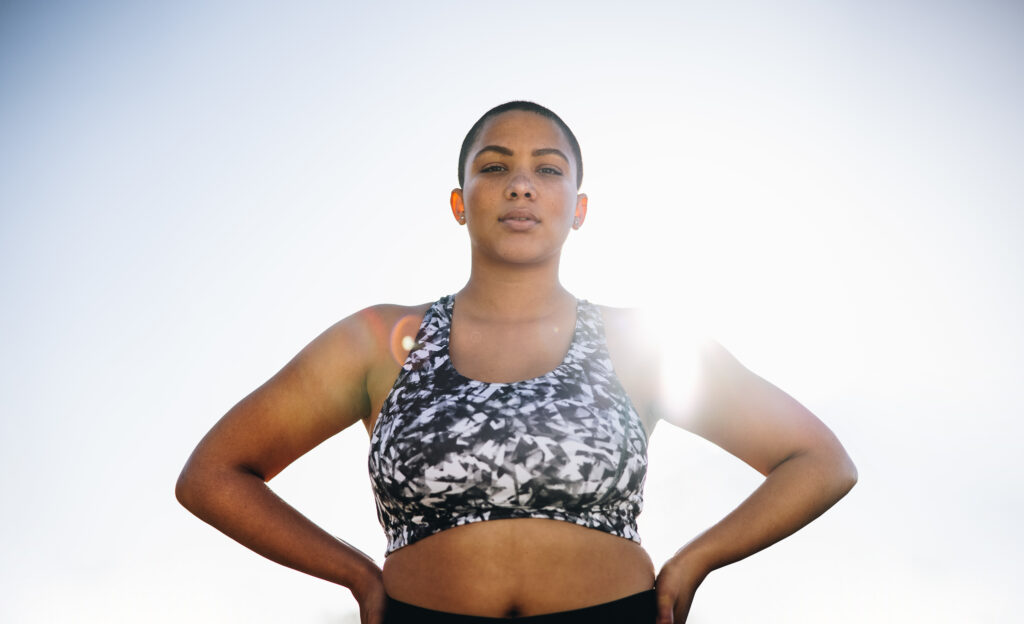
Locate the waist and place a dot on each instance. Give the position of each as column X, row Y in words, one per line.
column 639, row 607
column 518, row 567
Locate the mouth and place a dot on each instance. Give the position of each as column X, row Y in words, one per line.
column 519, row 216
column 519, row 220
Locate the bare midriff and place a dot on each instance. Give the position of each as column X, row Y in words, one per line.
column 516, row 568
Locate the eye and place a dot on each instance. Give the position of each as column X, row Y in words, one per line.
column 550, row 171
column 492, row 168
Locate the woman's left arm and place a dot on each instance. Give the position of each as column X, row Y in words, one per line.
column 806, row 468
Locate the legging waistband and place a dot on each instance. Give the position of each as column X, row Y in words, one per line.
column 637, row 608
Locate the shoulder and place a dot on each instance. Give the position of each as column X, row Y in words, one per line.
column 639, row 338
column 359, row 354
column 618, row 318
column 374, row 331
column 384, row 317
column 665, row 356
column 362, row 341
column 633, row 357
column 624, row 332
column 629, row 337
column 386, row 333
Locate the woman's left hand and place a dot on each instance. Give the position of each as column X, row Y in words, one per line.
column 676, row 585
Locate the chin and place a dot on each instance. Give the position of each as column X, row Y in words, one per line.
column 525, row 254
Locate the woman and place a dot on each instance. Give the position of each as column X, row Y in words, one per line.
column 508, row 441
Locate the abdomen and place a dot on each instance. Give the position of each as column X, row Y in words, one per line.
column 518, row 567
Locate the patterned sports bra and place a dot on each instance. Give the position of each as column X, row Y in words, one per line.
column 447, row 450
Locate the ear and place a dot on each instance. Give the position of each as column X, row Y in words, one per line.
column 581, row 211
column 458, row 208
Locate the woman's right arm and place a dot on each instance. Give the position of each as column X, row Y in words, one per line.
column 320, row 392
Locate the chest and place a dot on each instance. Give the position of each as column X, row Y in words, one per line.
column 509, row 352
column 562, row 418
column 567, row 439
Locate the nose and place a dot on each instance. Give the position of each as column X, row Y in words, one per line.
column 520, row 187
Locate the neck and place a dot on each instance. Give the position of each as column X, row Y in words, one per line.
column 514, row 292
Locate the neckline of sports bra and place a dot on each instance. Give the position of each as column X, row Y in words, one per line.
column 448, row 307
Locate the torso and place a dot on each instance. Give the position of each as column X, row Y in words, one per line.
column 505, row 568
column 523, row 566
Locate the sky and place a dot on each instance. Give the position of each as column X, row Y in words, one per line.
column 192, row 191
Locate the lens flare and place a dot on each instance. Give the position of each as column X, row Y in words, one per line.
column 676, row 349
column 403, row 337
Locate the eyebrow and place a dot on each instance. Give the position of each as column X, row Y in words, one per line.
column 544, row 151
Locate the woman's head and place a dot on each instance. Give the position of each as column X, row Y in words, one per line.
column 519, row 176
column 529, row 107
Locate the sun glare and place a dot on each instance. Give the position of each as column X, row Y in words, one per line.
column 677, row 348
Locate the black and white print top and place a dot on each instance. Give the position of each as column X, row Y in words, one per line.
column 447, row 450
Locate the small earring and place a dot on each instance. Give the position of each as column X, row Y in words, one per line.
column 576, row 222
column 462, row 219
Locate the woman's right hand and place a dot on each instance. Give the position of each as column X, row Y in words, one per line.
column 372, row 598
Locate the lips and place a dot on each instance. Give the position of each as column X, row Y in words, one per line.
column 519, row 215
column 519, row 220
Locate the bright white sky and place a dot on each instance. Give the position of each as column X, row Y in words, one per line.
column 191, row 192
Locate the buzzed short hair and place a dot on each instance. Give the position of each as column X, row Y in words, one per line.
column 530, row 107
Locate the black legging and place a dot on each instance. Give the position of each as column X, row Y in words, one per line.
column 638, row 608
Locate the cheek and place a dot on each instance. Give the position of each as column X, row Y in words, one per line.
column 569, row 200
column 474, row 194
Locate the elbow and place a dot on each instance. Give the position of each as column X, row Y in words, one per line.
column 837, row 470
column 835, row 473
column 204, row 486
column 194, row 486
column 851, row 475
column 845, row 474
column 185, row 488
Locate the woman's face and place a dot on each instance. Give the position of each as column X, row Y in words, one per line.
column 519, row 198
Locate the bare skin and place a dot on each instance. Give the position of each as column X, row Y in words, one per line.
column 512, row 321
column 512, row 568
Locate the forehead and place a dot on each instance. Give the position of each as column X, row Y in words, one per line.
column 523, row 128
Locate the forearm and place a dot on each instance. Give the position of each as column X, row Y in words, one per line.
column 239, row 504
column 794, row 493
